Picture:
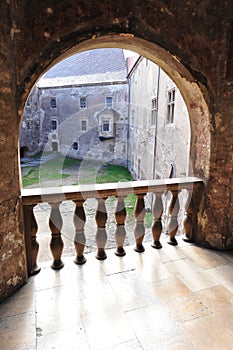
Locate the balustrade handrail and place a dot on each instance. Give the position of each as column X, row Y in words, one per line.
column 79, row 193
column 86, row 191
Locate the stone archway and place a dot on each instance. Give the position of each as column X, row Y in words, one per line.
column 36, row 34
column 194, row 94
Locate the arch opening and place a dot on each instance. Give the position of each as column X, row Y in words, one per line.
column 194, row 96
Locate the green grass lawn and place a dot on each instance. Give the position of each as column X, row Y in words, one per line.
column 87, row 173
column 51, row 170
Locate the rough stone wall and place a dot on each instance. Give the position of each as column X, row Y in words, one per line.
column 12, row 251
column 31, row 132
column 191, row 42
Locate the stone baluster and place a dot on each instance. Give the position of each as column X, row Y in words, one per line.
column 101, row 235
column 120, row 233
column 174, row 208
column 56, row 243
column 139, row 229
column 30, row 239
column 191, row 209
column 187, row 223
column 157, row 225
column 79, row 239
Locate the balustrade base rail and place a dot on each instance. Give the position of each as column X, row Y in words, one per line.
column 78, row 194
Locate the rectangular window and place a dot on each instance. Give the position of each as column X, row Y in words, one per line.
column 54, row 125
column 171, row 106
column 106, row 125
column 53, row 102
column 83, row 125
column 154, row 109
column 109, row 102
column 83, row 102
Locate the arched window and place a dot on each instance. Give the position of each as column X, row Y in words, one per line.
column 75, row 146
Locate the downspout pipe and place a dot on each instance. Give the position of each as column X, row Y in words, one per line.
column 156, row 123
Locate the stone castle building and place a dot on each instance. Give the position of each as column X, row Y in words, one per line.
column 97, row 105
column 79, row 109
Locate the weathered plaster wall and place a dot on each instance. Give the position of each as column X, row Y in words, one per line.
column 166, row 142
column 189, row 39
column 69, row 115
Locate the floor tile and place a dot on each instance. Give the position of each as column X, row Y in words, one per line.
column 223, row 275
column 191, row 275
column 115, row 264
column 18, row 332
column 173, row 252
column 218, row 299
column 212, row 332
column 107, row 329
column 70, row 339
column 99, row 303
column 57, row 309
column 155, row 328
column 132, row 291
column 149, row 266
column 170, row 289
column 182, row 304
column 21, row 302
column 204, row 258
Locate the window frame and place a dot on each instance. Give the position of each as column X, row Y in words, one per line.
column 109, row 104
column 171, row 95
column 154, row 110
column 106, row 126
column 105, row 122
column 83, row 120
column 83, row 102
column 53, row 102
column 52, row 124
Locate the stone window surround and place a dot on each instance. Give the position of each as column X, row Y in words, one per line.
column 82, row 128
column 83, row 102
column 106, row 119
column 54, row 124
column 75, row 146
column 53, row 102
column 171, row 93
column 154, row 110
column 109, row 101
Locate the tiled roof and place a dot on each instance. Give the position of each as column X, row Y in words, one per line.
column 93, row 66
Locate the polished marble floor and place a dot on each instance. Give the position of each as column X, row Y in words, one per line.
column 176, row 298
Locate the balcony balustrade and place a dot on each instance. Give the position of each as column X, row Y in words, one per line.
column 79, row 194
